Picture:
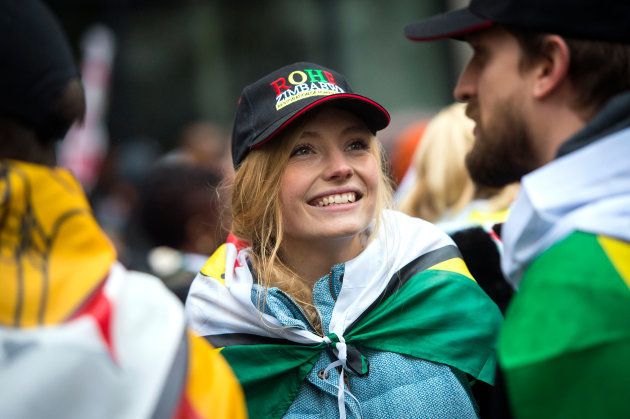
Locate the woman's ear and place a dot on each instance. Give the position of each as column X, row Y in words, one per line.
column 552, row 68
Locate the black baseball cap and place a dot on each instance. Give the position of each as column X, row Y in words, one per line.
column 604, row 20
column 37, row 64
column 269, row 105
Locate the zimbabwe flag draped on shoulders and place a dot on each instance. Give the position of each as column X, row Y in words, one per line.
column 408, row 292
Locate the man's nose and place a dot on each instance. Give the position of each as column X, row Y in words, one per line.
column 465, row 88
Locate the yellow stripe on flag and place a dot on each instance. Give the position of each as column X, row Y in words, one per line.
column 618, row 252
column 456, row 265
column 215, row 265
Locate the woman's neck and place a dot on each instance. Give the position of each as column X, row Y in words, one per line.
column 313, row 260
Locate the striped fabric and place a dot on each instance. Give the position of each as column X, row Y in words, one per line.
column 409, row 292
column 80, row 336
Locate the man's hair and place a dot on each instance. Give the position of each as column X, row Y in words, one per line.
column 598, row 69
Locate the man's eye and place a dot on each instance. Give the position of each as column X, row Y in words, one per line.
column 301, row 150
column 479, row 55
column 358, row 145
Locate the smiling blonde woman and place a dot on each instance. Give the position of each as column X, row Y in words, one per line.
column 325, row 302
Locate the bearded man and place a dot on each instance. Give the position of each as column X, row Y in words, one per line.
column 548, row 86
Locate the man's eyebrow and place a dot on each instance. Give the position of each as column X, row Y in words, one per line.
column 473, row 42
column 473, row 39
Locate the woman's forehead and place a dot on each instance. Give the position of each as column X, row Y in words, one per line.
column 332, row 119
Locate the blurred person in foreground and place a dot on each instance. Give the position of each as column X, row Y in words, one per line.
column 322, row 295
column 79, row 335
column 549, row 89
column 181, row 212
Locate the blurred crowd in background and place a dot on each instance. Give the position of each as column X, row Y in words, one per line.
column 162, row 78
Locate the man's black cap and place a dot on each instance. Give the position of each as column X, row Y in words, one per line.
column 36, row 65
column 603, row 20
column 267, row 106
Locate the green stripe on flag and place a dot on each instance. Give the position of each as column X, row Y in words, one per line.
column 439, row 316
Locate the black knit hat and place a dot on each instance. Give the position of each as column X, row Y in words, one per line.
column 36, row 65
column 604, row 20
column 267, row 106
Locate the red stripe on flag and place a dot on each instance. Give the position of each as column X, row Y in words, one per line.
column 238, row 243
column 100, row 308
column 185, row 410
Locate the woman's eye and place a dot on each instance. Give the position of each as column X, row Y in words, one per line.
column 301, row 150
column 358, row 145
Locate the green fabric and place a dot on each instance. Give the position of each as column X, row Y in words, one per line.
column 566, row 337
column 440, row 316
column 271, row 375
column 454, row 328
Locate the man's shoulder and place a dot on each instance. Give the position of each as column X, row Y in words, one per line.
column 574, row 296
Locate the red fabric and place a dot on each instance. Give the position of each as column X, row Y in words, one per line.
column 100, row 308
column 185, row 410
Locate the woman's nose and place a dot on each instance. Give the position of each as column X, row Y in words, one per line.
column 338, row 167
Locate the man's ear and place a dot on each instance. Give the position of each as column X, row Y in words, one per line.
column 552, row 68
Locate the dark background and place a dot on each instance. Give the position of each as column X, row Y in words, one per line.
column 178, row 61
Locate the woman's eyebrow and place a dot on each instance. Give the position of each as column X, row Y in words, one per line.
column 307, row 134
column 352, row 128
column 361, row 128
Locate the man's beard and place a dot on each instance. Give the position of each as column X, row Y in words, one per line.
column 502, row 152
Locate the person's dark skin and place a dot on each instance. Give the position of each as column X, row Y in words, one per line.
column 20, row 143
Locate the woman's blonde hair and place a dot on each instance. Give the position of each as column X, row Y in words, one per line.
column 443, row 185
column 443, row 182
column 257, row 213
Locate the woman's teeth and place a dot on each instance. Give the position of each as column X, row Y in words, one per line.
column 343, row 198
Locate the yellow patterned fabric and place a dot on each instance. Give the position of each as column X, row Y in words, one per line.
column 52, row 252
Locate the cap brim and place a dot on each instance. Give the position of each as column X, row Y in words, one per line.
column 454, row 24
column 374, row 115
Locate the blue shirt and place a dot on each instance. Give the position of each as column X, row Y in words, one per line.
column 397, row 386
